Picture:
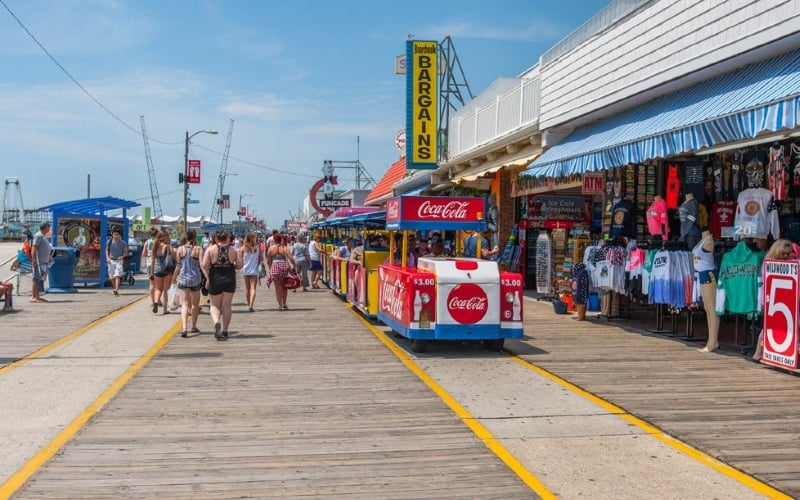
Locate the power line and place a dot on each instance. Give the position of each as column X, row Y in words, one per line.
column 76, row 82
column 123, row 122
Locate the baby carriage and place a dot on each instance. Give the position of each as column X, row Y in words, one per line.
column 126, row 268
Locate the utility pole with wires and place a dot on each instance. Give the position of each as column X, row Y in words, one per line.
column 154, row 196
column 216, row 209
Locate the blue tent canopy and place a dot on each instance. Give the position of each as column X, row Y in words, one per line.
column 91, row 206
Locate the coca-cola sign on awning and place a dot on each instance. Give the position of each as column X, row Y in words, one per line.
column 429, row 212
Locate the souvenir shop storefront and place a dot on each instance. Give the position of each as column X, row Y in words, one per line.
column 681, row 196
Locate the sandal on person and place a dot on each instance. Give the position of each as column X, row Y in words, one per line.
column 184, row 333
column 195, row 330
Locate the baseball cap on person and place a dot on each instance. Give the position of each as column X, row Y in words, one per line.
column 44, row 225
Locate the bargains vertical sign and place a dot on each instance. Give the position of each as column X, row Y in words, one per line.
column 422, row 95
column 781, row 299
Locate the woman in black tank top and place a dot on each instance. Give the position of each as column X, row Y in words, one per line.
column 220, row 263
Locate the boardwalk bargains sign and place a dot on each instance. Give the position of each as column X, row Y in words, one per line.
column 421, row 104
column 781, row 301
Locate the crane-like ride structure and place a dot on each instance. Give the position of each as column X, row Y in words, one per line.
column 451, row 83
column 151, row 172
column 216, row 209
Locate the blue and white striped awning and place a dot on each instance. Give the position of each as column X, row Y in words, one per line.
column 736, row 106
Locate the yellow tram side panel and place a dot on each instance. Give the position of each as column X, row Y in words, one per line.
column 372, row 259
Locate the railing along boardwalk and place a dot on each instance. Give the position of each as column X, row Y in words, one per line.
column 740, row 412
column 299, row 403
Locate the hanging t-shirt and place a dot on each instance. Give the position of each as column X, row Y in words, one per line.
column 776, row 179
column 722, row 216
column 657, row 223
column 623, row 220
column 660, row 289
column 739, row 284
column 694, row 179
column 673, row 186
column 756, row 215
column 754, row 163
column 688, row 214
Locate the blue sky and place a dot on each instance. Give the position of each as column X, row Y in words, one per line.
column 302, row 80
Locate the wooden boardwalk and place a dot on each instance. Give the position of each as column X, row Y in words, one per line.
column 742, row 413
column 308, row 403
column 299, row 403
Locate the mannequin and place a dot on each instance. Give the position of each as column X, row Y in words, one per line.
column 706, row 271
column 688, row 213
column 657, row 222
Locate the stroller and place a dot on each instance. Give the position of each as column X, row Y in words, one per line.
column 126, row 268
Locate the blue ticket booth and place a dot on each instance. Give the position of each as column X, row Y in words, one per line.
column 86, row 225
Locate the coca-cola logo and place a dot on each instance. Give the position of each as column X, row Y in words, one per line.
column 393, row 209
column 392, row 299
column 467, row 303
column 443, row 210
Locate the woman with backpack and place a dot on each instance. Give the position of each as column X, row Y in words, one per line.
column 189, row 279
column 162, row 263
column 220, row 263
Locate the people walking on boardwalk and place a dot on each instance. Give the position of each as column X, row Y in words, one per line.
column 147, row 253
column 314, row 252
column 251, row 257
column 301, row 259
column 40, row 258
column 116, row 251
column 189, row 278
column 162, row 263
column 279, row 261
column 220, row 263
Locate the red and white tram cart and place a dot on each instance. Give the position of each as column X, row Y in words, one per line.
column 446, row 298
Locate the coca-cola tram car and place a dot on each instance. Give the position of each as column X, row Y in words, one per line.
column 446, row 298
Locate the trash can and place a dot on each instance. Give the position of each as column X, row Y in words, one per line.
column 135, row 251
column 61, row 275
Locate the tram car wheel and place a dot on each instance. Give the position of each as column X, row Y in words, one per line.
column 494, row 345
column 419, row 345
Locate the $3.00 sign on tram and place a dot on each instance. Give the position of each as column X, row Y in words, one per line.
column 781, row 301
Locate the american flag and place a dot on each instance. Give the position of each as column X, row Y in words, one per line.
column 225, row 201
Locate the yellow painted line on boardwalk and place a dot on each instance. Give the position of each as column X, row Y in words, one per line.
column 25, row 472
column 657, row 433
column 63, row 340
column 473, row 423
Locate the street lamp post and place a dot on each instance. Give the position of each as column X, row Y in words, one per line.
column 186, row 175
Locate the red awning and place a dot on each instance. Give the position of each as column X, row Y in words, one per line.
column 383, row 190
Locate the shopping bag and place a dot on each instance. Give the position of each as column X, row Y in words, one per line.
column 292, row 280
column 173, row 299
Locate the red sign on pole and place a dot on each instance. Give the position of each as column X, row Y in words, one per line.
column 193, row 172
column 243, row 211
column 781, row 301
column 593, row 183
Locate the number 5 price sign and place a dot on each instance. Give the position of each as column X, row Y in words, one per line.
column 781, row 299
